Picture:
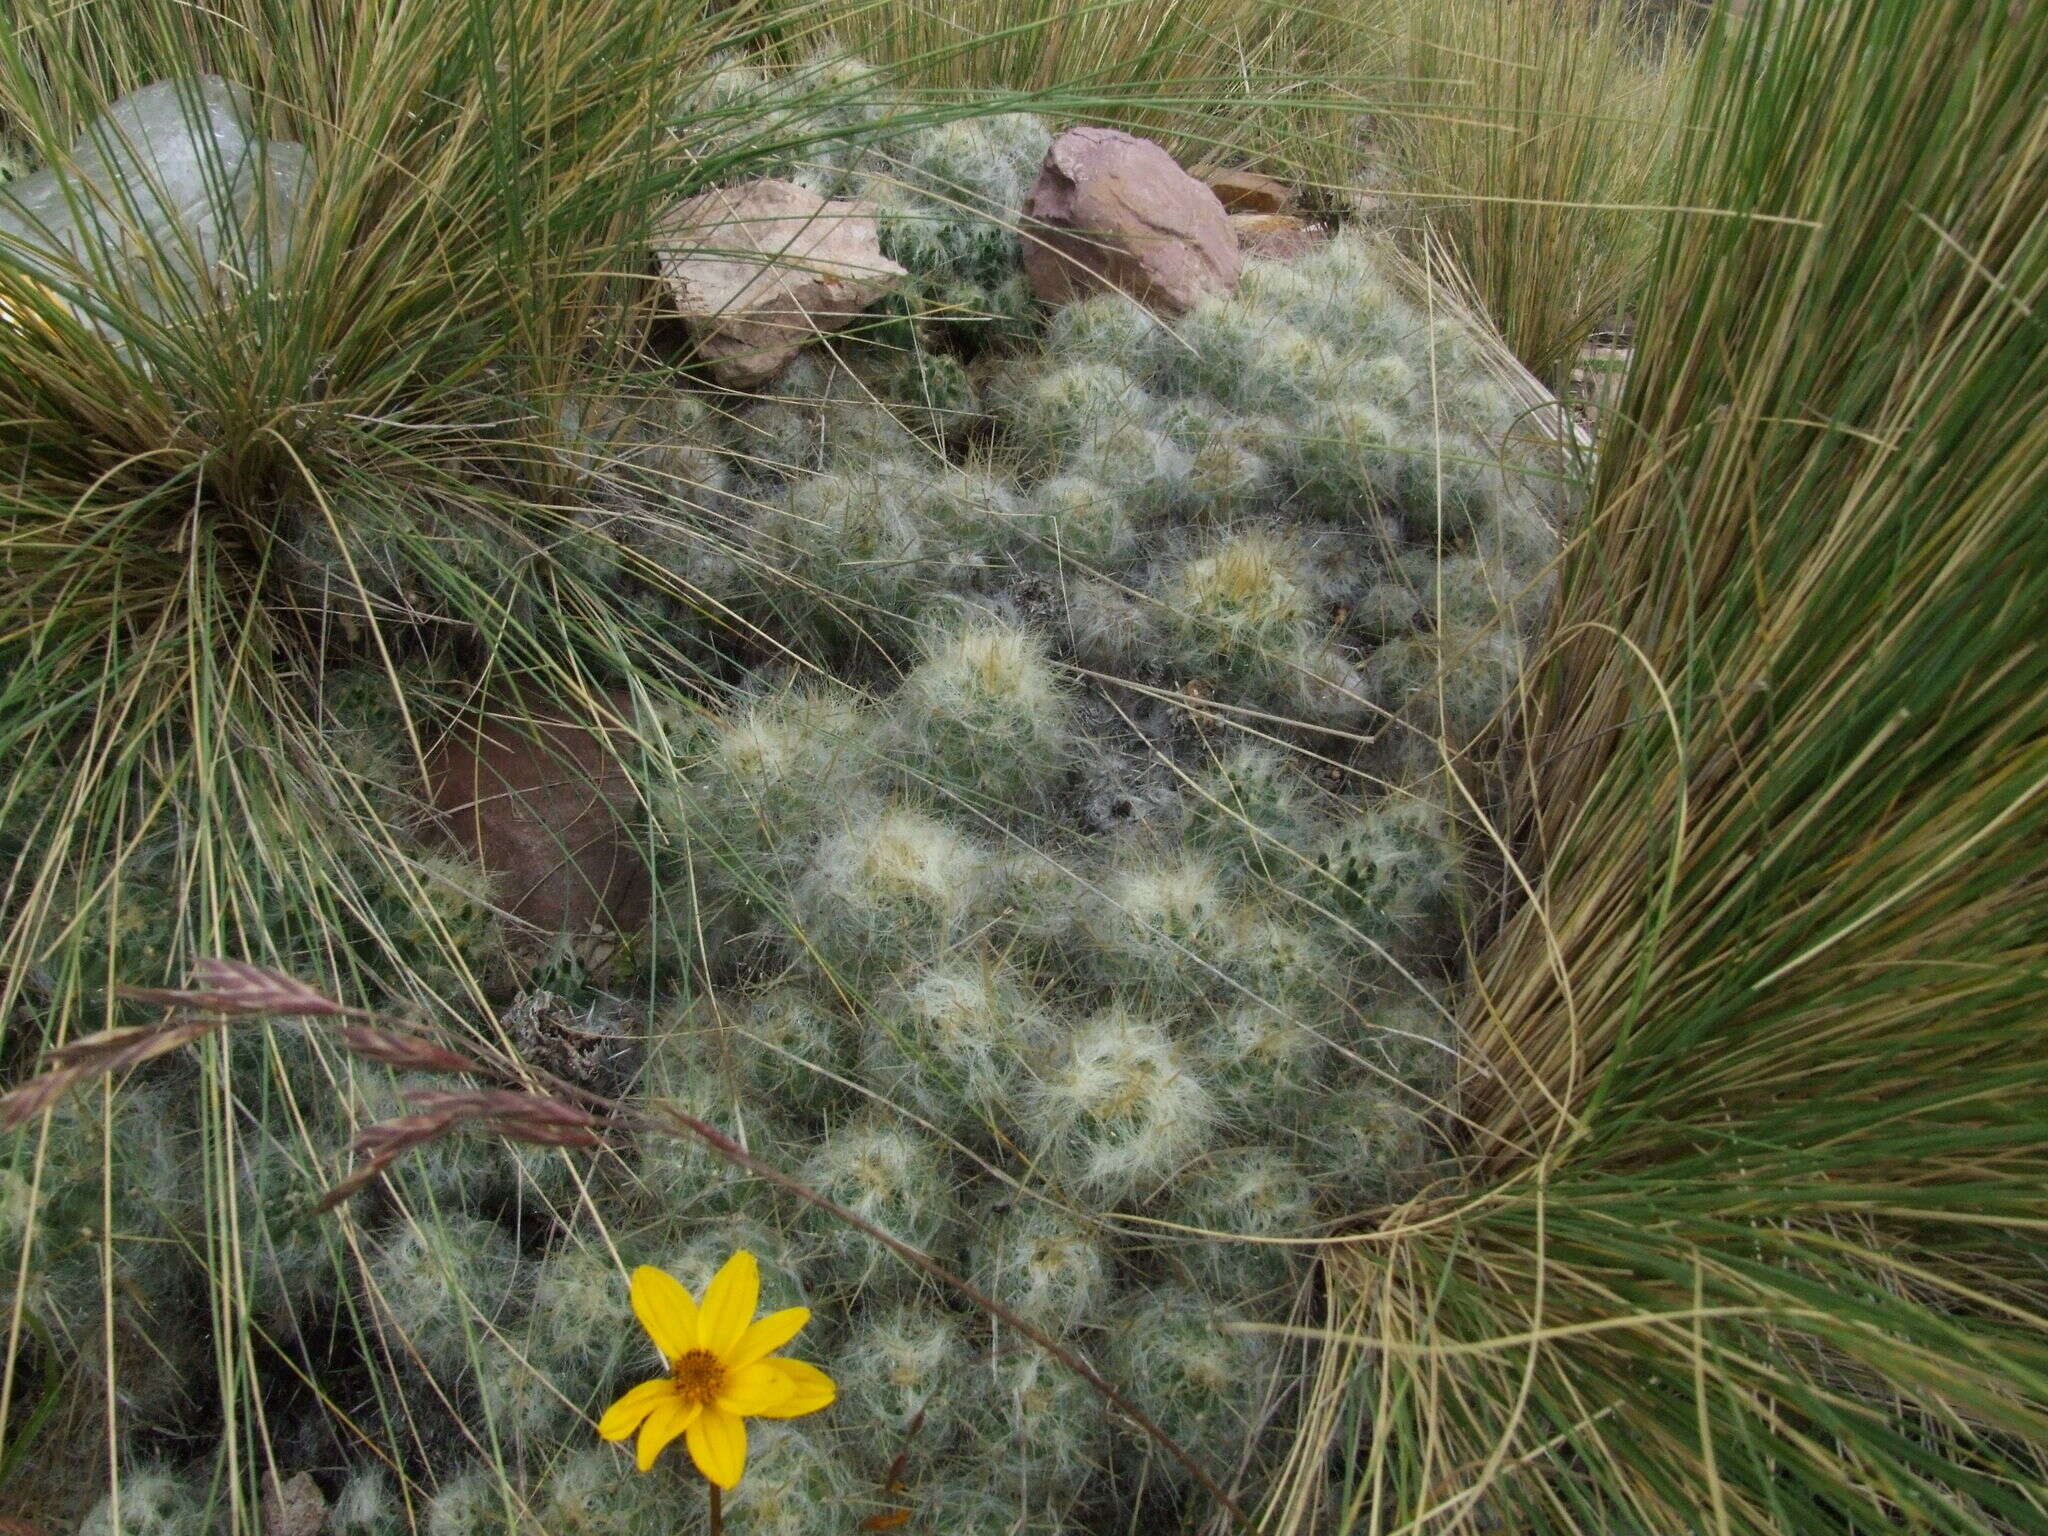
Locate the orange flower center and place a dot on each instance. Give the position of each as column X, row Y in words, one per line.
column 698, row 1375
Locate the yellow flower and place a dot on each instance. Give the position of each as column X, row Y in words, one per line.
column 721, row 1369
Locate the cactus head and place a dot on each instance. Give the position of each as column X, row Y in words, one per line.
column 984, row 716
column 889, row 886
column 1052, row 1269
column 1184, row 1359
column 1119, row 1108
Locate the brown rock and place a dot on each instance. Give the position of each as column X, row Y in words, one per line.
column 1241, row 191
column 1111, row 210
column 759, row 269
column 544, row 807
column 1277, row 236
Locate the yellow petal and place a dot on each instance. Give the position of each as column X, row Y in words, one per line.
column 665, row 1311
column 663, row 1425
column 624, row 1416
column 811, row 1389
column 766, row 1335
column 754, row 1389
column 729, row 1302
column 718, row 1444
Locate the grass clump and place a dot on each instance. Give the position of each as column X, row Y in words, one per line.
column 1536, row 143
column 1754, row 1114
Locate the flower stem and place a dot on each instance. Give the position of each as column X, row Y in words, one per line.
column 717, row 1509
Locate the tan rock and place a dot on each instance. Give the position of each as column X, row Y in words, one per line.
column 1111, row 210
column 1241, row 191
column 294, row 1507
column 545, row 808
column 760, row 269
column 1277, row 236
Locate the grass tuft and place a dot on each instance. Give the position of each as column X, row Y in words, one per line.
column 1756, row 1130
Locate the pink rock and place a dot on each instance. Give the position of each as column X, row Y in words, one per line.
column 1111, row 210
column 760, row 269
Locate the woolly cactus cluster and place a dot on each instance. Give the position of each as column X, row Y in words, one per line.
column 1089, row 932
column 1061, row 882
column 1112, row 1073
column 1304, row 499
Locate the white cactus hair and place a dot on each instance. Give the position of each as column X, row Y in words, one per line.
column 1351, row 450
column 1448, row 687
column 1278, row 286
column 1120, row 1107
column 1018, row 892
column 795, row 1484
column 904, row 1361
column 949, row 191
column 1196, row 1370
column 984, row 713
column 848, row 532
column 152, row 1501
column 1107, row 328
column 1240, row 1197
column 575, row 1306
column 1110, row 626
column 1286, row 368
column 440, row 1282
column 1248, row 804
column 751, row 773
column 1466, row 592
column 1149, row 466
column 1256, row 1055
column 1240, row 600
column 1349, row 294
column 1071, row 402
column 997, row 1502
column 1081, row 521
column 1032, row 890
column 1047, row 1265
column 972, row 506
column 801, row 737
column 892, row 1176
column 1370, row 1143
column 1388, row 378
column 889, row 883
column 1214, row 349
column 55, row 1194
column 1285, row 963
column 788, row 1046
column 1323, row 680
column 366, row 1505
column 477, row 1503
column 582, row 1491
column 524, row 1402
column 1390, row 863
column 1050, row 1419
column 955, row 1041
column 674, row 1172
column 705, row 1247
column 1160, row 921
